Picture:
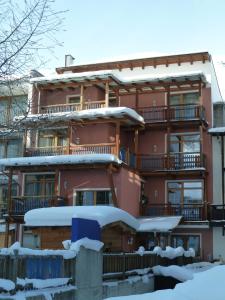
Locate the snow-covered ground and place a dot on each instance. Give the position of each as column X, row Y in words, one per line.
column 206, row 285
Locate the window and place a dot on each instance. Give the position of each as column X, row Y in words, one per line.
column 52, row 138
column 39, row 185
column 10, row 148
column 97, row 197
column 4, row 191
column 73, row 99
column 187, row 241
column 185, row 192
column 185, row 143
column 183, row 99
column 11, row 107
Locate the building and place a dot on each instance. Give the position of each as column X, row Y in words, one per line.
column 133, row 134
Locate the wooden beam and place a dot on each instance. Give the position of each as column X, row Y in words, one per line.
column 112, row 186
column 82, row 96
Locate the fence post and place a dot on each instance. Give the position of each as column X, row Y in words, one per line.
column 15, row 266
column 88, row 274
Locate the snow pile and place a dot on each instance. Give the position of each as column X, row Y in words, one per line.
column 61, row 160
column 86, row 243
column 158, row 224
column 67, row 254
column 172, row 253
column 43, row 283
column 176, row 272
column 62, row 216
column 206, row 285
column 141, row 251
column 6, row 285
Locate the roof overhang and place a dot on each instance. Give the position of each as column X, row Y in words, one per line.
column 217, row 131
column 159, row 224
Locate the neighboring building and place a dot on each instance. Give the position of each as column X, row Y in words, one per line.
column 130, row 133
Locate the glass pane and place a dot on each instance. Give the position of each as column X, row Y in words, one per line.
column 191, row 98
column 194, row 242
column 191, row 147
column 177, row 241
column 175, row 100
column 14, row 148
column 193, row 184
column 103, row 198
column 175, row 185
column 3, row 111
column 2, row 150
column 174, row 196
column 192, row 196
column 191, row 137
column 19, row 106
column 74, row 99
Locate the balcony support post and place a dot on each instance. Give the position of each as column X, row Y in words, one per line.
column 112, row 186
column 136, row 138
column 9, row 196
column 56, row 187
column 69, row 137
column 107, row 94
column 118, row 138
column 82, row 96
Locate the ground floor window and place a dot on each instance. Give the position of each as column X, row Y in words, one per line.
column 187, row 241
column 93, row 197
column 4, row 191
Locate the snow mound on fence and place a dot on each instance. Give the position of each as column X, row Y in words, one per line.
column 172, row 253
column 86, row 243
column 176, row 272
column 6, row 285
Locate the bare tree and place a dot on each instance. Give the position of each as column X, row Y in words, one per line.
column 27, row 29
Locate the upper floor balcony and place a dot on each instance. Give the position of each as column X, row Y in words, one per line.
column 182, row 161
column 174, row 113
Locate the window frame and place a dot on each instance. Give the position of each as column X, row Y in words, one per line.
column 181, row 142
column 33, row 174
column 91, row 190
column 189, row 234
column 68, row 97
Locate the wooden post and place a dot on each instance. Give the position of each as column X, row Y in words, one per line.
column 111, row 184
column 107, row 94
column 136, row 100
column 10, row 206
column 136, row 138
column 118, row 138
column 56, row 187
column 69, row 137
column 200, row 93
column 24, row 142
column 82, row 97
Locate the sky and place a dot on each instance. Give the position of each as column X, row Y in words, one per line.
column 98, row 29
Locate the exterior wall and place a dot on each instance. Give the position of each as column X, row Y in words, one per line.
column 218, row 243
column 217, row 170
column 206, row 239
column 127, row 185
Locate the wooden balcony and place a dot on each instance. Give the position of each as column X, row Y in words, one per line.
column 189, row 212
column 69, row 107
column 174, row 113
column 170, row 162
column 22, row 204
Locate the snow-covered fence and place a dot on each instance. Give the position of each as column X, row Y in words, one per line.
column 15, row 265
column 124, row 264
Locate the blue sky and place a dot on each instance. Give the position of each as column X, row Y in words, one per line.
column 97, row 29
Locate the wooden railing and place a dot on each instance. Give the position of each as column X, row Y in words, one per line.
column 189, row 212
column 47, row 151
column 69, row 107
column 173, row 113
column 173, row 161
column 22, row 204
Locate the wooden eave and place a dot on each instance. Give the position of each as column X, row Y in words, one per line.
column 139, row 63
column 125, row 227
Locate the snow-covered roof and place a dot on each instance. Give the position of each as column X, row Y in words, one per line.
column 107, row 112
column 60, row 160
column 217, row 130
column 62, row 216
column 158, row 224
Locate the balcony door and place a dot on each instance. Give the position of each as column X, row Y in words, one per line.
column 183, row 106
column 52, row 142
column 186, row 198
column 185, row 150
column 92, row 197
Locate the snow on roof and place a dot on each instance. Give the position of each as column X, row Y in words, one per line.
column 216, row 130
column 62, row 216
column 60, row 160
column 158, row 224
column 219, row 66
column 90, row 114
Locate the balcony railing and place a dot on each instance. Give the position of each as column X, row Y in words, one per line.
column 217, row 212
column 189, row 212
column 105, row 148
column 69, row 107
column 170, row 162
column 174, row 113
column 21, row 205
